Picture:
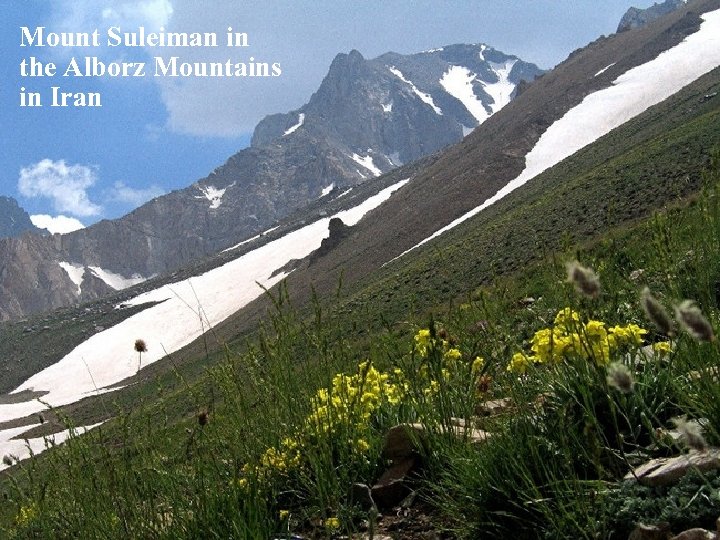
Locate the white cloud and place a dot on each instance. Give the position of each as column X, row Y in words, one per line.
column 120, row 192
column 65, row 185
column 56, row 224
column 84, row 15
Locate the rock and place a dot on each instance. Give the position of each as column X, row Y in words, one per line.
column 394, row 485
column 667, row 471
column 403, row 441
column 695, row 534
column 651, row 532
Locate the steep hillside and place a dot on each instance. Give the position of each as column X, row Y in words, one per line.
column 14, row 221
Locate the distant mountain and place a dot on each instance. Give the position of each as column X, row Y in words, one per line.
column 14, row 221
column 366, row 118
column 636, row 18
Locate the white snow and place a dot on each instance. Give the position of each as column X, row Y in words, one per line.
column 466, row 130
column 292, row 129
column 481, row 54
column 387, row 107
column 116, row 281
column 327, row 190
column 213, row 194
column 185, row 310
column 426, row 98
column 603, row 70
column 56, row 224
column 348, row 190
column 75, row 272
column 367, row 162
column 23, row 448
column 434, row 50
column 501, row 91
column 600, row 112
column 271, row 229
column 458, row 83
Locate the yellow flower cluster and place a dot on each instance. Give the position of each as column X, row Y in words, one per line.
column 26, row 514
column 352, row 400
column 570, row 337
column 347, row 407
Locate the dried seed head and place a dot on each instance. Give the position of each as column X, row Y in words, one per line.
column 203, row 418
column 620, row 377
column 584, row 279
column 7, row 460
column 140, row 345
column 656, row 313
column 693, row 321
column 691, row 432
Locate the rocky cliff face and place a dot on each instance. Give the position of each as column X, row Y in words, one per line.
column 367, row 117
column 14, row 221
column 636, row 18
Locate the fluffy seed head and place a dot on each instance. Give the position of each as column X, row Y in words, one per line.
column 584, row 279
column 656, row 313
column 689, row 316
column 140, row 345
column 620, row 378
column 691, row 433
column 7, row 460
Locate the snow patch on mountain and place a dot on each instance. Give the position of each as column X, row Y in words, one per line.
column 603, row 70
column 387, row 107
column 631, row 93
column 116, row 281
column 181, row 313
column 458, row 83
column 368, row 163
column 327, row 190
column 75, row 272
column 501, row 91
column 292, row 129
column 426, row 98
column 213, row 194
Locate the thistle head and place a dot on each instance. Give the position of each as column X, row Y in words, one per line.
column 140, row 345
column 584, row 279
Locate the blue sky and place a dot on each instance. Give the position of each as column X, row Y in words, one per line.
column 153, row 135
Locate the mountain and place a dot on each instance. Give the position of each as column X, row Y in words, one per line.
column 367, row 117
column 14, row 221
column 636, row 18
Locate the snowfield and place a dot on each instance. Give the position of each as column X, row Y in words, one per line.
column 185, row 310
column 630, row 94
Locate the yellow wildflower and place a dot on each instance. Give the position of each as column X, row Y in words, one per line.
column 662, row 348
column 519, row 363
column 332, row 523
column 478, row 365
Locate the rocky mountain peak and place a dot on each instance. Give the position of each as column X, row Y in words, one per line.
column 14, row 220
column 636, row 18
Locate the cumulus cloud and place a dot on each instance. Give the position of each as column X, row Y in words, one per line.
column 65, row 185
column 122, row 193
column 56, row 224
